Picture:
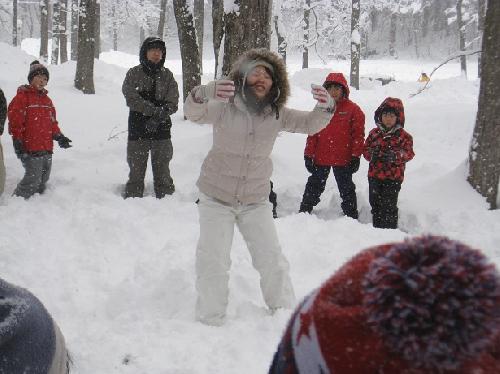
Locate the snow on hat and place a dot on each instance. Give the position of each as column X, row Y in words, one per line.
column 36, row 68
column 425, row 305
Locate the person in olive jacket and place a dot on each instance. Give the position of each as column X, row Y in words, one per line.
column 152, row 95
column 3, row 116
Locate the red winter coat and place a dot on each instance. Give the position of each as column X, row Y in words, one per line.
column 397, row 140
column 343, row 137
column 32, row 119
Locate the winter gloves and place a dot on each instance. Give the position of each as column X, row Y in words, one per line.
column 63, row 141
column 309, row 162
column 160, row 115
column 19, row 148
column 220, row 90
column 385, row 156
column 325, row 101
column 354, row 164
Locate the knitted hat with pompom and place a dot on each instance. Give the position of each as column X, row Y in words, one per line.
column 36, row 68
column 425, row 305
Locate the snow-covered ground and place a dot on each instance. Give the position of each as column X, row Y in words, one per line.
column 118, row 275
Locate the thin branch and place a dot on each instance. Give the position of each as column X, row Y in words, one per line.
column 465, row 53
column 112, row 136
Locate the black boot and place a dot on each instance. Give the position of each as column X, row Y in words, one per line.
column 305, row 208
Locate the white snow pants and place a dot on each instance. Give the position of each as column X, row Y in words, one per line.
column 256, row 224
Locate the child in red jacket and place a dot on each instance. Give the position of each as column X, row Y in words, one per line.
column 33, row 126
column 388, row 148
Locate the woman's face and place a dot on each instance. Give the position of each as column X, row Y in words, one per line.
column 259, row 81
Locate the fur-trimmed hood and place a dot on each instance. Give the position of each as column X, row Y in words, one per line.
column 280, row 75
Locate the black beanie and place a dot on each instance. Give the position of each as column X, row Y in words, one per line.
column 36, row 68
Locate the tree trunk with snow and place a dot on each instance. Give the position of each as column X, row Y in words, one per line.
column 461, row 38
column 248, row 27
column 56, row 32
column 279, row 29
column 161, row 22
column 480, row 26
column 355, row 44
column 63, row 39
column 199, row 15
column 218, row 29
column 305, row 46
column 97, row 32
column 84, row 77
column 74, row 29
column 484, row 155
column 392, row 34
column 191, row 76
column 14, row 23
column 44, row 30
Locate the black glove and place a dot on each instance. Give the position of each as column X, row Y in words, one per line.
column 309, row 162
column 19, row 148
column 388, row 156
column 63, row 141
column 152, row 124
column 354, row 164
column 161, row 113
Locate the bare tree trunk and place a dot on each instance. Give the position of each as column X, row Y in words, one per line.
column 44, row 30
column 199, row 14
column 481, row 15
column 56, row 33
column 97, row 32
column 14, row 23
column 218, row 29
column 74, row 29
column 114, row 25
column 249, row 28
column 191, row 76
column 161, row 23
column 461, row 38
column 84, row 77
column 142, row 32
column 355, row 44
column 305, row 50
column 392, row 34
column 64, row 31
column 281, row 39
column 484, row 155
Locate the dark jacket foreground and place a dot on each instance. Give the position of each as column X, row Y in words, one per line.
column 27, row 333
column 144, row 89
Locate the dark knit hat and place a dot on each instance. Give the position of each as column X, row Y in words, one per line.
column 425, row 305
column 36, row 68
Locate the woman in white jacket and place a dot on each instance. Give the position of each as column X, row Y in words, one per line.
column 247, row 112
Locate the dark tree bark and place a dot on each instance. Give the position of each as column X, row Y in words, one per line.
column 392, row 34
column 44, row 30
column 355, row 43
column 97, row 32
column 63, row 39
column 461, row 38
column 56, row 32
column 199, row 14
column 305, row 51
column 281, row 39
column 191, row 76
column 484, row 155
column 74, row 29
column 161, row 23
column 14, row 23
column 480, row 25
column 218, row 29
column 84, row 77
column 249, row 28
